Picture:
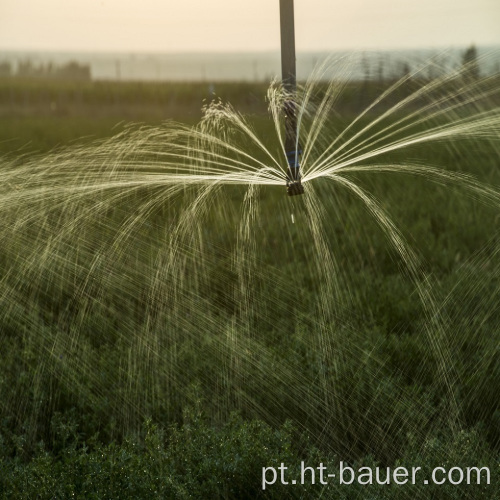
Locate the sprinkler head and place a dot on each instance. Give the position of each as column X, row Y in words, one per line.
column 293, row 181
column 293, row 188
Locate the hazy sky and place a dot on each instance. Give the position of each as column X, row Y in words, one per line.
column 250, row 25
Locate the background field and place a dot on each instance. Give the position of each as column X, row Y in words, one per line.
column 131, row 407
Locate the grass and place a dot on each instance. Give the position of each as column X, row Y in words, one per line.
column 96, row 382
column 38, row 115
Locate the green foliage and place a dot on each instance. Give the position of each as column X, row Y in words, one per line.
column 195, row 460
column 199, row 460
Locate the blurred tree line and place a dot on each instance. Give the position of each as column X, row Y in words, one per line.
column 468, row 66
column 376, row 68
column 69, row 71
column 470, row 63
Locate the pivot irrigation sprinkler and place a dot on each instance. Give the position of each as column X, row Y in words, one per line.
column 288, row 74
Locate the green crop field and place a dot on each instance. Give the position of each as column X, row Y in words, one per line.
column 169, row 339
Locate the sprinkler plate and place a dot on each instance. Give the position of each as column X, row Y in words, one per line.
column 294, row 188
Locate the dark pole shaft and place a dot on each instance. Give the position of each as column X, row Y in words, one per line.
column 288, row 69
column 289, row 77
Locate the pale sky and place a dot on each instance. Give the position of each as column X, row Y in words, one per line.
column 250, row 25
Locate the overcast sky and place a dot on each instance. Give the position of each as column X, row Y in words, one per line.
column 244, row 25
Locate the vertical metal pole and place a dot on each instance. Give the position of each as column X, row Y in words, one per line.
column 288, row 69
column 289, row 77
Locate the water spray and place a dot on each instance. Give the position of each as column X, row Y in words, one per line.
column 288, row 74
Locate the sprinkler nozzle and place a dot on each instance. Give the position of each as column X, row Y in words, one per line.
column 293, row 181
column 294, row 188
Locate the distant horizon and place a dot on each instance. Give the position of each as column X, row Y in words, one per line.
column 247, row 66
column 243, row 52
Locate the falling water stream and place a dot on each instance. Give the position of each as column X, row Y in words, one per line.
column 166, row 264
